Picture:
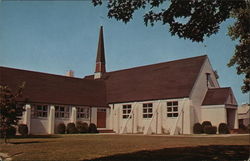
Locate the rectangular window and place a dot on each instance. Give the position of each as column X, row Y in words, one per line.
column 83, row 112
column 126, row 109
column 61, row 112
column 39, row 111
column 172, row 109
column 147, row 110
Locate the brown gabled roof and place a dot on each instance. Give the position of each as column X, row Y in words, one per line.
column 48, row 88
column 174, row 79
column 217, row 96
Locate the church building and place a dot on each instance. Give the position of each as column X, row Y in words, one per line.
column 163, row 98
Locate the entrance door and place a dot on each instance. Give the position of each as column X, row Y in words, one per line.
column 101, row 118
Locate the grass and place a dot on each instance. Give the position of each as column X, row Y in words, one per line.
column 128, row 147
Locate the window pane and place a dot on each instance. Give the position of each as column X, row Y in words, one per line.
column 169, row 109
column 129, row 111
column 175, row 108
column 169, row 114
column 144, row 105
column 61, row 108
column 145, row 116
column 169, row 103
column 175, row 114
column 150, row 115
column 39, row 107
column 150, row 110
column 175, row 103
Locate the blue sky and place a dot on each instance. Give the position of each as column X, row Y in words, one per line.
column 56, row 36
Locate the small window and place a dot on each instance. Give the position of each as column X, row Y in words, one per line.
column 172, row 109
column 147, row 110
column 126, row 110
column 39, row 111
column 83, row 112
column 61, row 112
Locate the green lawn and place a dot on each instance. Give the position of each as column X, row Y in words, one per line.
column 128, row 147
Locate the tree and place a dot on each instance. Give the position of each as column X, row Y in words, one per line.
column 9, row 109
column 194, row 20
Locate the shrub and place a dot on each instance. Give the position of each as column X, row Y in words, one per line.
column 61, row 128
column 11, row 132
column 205, row 123
column 71, row 128
column 82, row 127
column 223, row 128
column 23, row 129
column 197, row 129
column 92, row 128
column 210, row 129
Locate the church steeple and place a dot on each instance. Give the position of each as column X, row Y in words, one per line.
column 100, row 58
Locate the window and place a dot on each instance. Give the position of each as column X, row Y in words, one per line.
column 61, row 112
column 83, row 112
column 172, row 109
column 39, row 111
column 126, row 109
column 147, row 110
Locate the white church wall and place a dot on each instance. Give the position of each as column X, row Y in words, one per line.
column 160, row 122
column 216, row 114
column 200, row 88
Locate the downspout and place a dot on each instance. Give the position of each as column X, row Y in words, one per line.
column 90, row 114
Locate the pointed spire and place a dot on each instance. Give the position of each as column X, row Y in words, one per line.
column 100, row 50
column 100, row 58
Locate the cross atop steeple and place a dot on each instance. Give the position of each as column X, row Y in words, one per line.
column 100, row 58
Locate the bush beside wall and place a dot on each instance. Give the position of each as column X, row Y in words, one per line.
column 223, row 128
column 61, row 128
column 92, row 128
column 205, row 123
column 197, row 129
column 82, row 127
column 71, row 128
column 210, row 129
column 23, row 129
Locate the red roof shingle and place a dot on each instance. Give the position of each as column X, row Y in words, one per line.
column 174, row 79
column 49, row 88
column 217, row 96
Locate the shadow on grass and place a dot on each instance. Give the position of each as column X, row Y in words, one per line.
column 36, row 136
column 212, row 152
column 27, row 142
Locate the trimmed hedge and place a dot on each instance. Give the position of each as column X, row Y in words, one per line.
column 92, row 128
column 210, row 129
column 223, row 128
column 205, row 123
column 71, row 128
column 61, row 128
column 82, row 127
column 23, row 129
column 197, row 129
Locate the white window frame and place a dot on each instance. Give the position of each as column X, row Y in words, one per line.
column 126, row 110
column 83, row 112
column 39, row 113
column 172, row 109
column 61, row 111
column 147, row 110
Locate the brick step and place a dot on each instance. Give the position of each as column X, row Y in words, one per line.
column 106, row 131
